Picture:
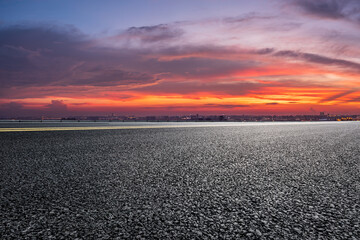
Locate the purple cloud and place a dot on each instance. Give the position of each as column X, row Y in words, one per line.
column 331, row 9
column 236, row 89
column 315, row 58
column 43, row 56
column 57, row 106
column 150, row 34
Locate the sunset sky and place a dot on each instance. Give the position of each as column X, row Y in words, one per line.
column 161, row 57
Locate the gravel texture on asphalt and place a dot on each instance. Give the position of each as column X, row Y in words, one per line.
column 299, row 181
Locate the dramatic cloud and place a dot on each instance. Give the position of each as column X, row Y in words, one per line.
column 314, row 58
column 357, row 99
column 253, row 62
column 10, row 108
column 324, row 8
column 57, row 106
column 189, row 88
column 227, row 105
column 151, row 34
column 39, row 56
column 247, row 18
column 16, row 109
column 331, row 9
column 337, row 96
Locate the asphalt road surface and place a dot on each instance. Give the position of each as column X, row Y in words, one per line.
column 258, row 181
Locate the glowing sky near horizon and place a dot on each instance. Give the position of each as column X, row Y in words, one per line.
column 157, row 57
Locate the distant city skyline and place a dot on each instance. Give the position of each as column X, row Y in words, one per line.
column 157, row 57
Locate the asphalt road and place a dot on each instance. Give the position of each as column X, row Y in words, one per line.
column 280, row 181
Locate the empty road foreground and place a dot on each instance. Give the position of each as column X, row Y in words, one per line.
column 274, row 181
